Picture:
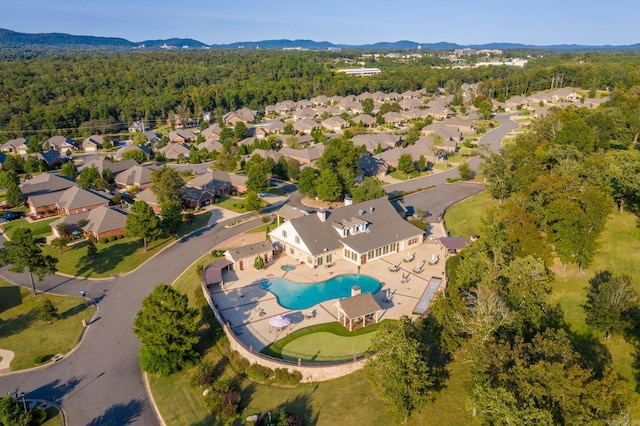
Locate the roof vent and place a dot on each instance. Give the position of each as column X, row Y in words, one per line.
column 361, row 212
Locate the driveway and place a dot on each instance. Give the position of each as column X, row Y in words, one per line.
column 101, row 382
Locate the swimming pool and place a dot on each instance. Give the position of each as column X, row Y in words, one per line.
column 293, row 295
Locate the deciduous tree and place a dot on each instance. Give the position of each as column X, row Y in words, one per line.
column 612, row 303
column 143, row 223
column 167, row 185
column 166, row 328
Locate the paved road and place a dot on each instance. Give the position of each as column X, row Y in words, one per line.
column 101, row 383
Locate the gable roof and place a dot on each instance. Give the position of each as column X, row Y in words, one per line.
column 45, row 183
column 77, row 198
column 250, row 250
column 148, row 196
column 359, row 305
column 105, row 219
column 217, row 180
column 184, row 134
column 60, row 141
column 288, row 212
column 175, row 150
column 383, row 221
column 136, row 175
column 115, row 167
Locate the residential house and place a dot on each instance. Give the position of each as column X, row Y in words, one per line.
column 175, row 151
column 211, row 145
column 43, row 191
column 330, row 110
column 593, row 103
column 244, row 115
column 92, row 143
column 305, row 125
column 135, row 177
column 59, row 143
column 182, row 136
column 15, row 146
column 152, row 138
column 51, row 157
column 76, row 200
column 364, row 95
column 515, row 102
column 307, row 113
column 321, row 100
column 422, row 147
column 369, row 165
column 285, row 106
column 449, row 136
column 304, row 156
column 304, row 104
column 138, row 126
column 411, row 103
column 365, row 119
column 287, row 212
column 149, row 197
column 245, row 256
column 374, row 140
column 212, row 132
column 335, row 124
column 539, row 97
column 565, row 95
column 196, row 198
column 350, row 106
column 266, row 153
column 101, row 222
column 394, row 118
column 437, row 108
column 357, row 233
column 273, row 126
column 415, row 113
column 220, row 183
column 459, row 123
column 115, row 167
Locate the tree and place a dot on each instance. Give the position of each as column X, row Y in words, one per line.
column 240, row 130
column 92, row 250
column 465, row 171
column 60, row 243
column 399, row 370
column 370, row 188
column 22, row 252
column 167, row 185
column 194, row 158
column 612, row 303
column 139, row 138
column 422, row 163
column 11, row 413
column 307, row 181
column 226, row 162
column 135, row 154
column 405, row 164
column 143, row 223
column 166, row 328
column 258, row 263
column 328, row 186
column 69, row 170
column 293, row 168
column 367, row 105
column 252, row 201
column 484, row 109
column 14, row 196
column 90, row 178
column 171, row 215
column 257, row 180
column 48, row 312
column 8, row 177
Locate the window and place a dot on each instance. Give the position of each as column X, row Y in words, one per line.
column 284, row 233
column 297, row 240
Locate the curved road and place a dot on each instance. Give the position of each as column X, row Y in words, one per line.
column 100, row 383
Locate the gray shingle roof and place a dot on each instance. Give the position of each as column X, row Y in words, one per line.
column 77, row 198
column 44, row 183
column 104, row 219
column 250, row 250
column 359, row 306
column 384, row 224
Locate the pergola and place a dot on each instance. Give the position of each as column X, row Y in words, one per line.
column 357, row 308
column 212, row 274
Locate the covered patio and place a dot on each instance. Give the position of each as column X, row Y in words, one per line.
column 212, row 274
column 356, row 310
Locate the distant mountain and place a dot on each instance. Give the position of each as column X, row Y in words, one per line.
column 15, row 39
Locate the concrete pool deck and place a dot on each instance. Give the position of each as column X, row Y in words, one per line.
column 248, row 307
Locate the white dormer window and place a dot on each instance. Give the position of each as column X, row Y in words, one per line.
column 284, row 233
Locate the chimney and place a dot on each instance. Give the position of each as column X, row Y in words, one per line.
column 322, row 214
column 348, row 200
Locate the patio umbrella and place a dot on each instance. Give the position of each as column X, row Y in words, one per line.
column 279, row 321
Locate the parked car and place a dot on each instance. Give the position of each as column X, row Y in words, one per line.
column 9, row 216
column 5, row 207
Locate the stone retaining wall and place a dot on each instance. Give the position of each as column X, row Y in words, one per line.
column 310, row 373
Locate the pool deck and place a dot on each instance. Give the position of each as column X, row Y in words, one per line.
column 248, row 307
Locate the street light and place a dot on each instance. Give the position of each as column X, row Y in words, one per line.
column 24, row 404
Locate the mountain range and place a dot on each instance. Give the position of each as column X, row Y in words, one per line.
column 13, row 39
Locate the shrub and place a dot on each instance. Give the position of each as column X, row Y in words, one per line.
column 112, row 238
column 283, row 376
column 238, row 362
column 422, row 224
column 199, row 270
column 103, row 240
column 259, row 373
column 202, row 374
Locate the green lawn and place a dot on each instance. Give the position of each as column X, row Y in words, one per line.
column 32, row 340
column 235, row 204
column 117, row 257
column 40, row 228
column 463, row 219
column 403, row 176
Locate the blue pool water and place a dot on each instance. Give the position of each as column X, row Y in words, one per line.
column 288, row 267
column 293, row 295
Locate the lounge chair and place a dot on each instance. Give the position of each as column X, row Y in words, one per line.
column 261, row 312
column 394, row 268
column 434, row 259
column 310, row 314
column 419, row 268
column 405, row 279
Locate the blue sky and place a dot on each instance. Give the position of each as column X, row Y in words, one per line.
column 540, row 22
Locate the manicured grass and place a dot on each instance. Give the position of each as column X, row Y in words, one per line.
column 277, row 191
column 53, row 417
column 262, row 228
column 116, row 257
column 40, row 228
column 464, row 219
column 403, row 176
column 234, row 204
column 33, row 340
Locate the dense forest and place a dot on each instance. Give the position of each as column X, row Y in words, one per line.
column 88, row 93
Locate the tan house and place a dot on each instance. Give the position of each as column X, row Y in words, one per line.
column 357, row 233
column 15, row 146
column 335, row 124
column 219, row 182
column 92, row 143
column 77, row 200
column 101, row 222
column 135, row 177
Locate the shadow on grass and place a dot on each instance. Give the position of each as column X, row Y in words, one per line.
column 19, row 323
column 107, row 259
column 299, row 406
column 10, row 297
column 80, row 307
column 119, row 414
